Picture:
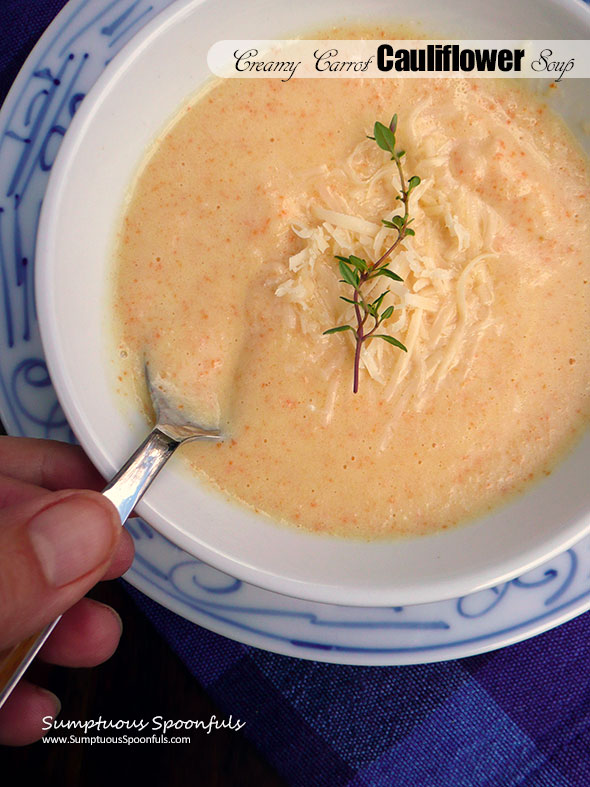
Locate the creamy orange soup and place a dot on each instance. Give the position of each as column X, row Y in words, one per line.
column 225, row 280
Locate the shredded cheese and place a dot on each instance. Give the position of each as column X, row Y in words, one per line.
column 447, row 292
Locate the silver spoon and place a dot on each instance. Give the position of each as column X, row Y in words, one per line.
column 124, row 491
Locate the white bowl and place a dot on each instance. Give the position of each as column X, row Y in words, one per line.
column 135, row 97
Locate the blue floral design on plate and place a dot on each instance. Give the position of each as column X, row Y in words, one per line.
column 61, row 69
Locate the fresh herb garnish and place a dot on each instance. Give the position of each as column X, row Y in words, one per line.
column 356, row 272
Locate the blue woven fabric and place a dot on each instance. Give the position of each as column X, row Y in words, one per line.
column 518, row 716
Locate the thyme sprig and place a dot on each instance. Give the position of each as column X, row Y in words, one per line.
column 357, row 272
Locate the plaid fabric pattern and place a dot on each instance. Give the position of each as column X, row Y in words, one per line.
column 518, row 716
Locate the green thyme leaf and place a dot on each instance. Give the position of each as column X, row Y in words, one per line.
column 339, row 329
column 413, row 182
column 396, row 222
column 390, row 340
column 387, row 313
column 348, row 275
column 378, row 301
column 384, row 137
column 388, row 273
column 358, row 263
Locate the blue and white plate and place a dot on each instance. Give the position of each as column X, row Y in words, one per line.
column 66, row 62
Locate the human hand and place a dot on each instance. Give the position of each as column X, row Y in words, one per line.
column 54, row 546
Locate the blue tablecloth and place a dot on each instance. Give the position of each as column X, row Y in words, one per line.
column 520, row 715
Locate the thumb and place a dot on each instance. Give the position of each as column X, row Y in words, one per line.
column 53, row 549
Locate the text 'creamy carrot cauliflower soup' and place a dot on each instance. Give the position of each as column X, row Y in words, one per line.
column 263, row 217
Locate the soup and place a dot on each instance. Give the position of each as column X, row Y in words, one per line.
column 226, row 280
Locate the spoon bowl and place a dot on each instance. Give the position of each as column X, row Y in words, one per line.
column 171, row 420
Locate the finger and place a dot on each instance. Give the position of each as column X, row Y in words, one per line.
column 48, row 463
column 53, row 549
column 26, row 713
column 87, row 635
column 14, row 491
column 122, row 558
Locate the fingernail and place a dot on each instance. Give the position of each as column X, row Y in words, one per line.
column 55, row 699
column 113, row 612
column 71, row 538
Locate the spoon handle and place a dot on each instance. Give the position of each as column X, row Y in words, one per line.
column 125, row 490
column 138, row 472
